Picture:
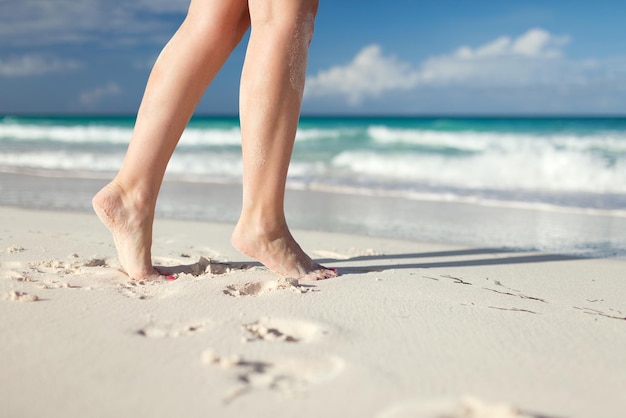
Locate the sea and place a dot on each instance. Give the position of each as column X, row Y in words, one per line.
column 481, row 181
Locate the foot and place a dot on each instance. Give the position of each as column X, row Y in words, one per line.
column 278, row 251
column 130, row 222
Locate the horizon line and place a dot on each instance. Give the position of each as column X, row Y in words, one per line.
column 424, row 115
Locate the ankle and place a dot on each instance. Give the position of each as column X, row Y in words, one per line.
column 139, row 197
column 268, row 227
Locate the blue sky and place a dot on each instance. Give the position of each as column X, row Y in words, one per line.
column 391, row 57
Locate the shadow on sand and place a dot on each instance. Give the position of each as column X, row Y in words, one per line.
column 495, row 257
column 378, row 263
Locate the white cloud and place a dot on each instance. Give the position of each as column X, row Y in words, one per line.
column 45, row 22
column 370, row 73
column 535, row 59
column 95, row 95
column 535, row 43
column 35, row 64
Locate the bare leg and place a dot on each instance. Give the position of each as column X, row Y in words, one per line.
column 180, row 76
column 271, row 93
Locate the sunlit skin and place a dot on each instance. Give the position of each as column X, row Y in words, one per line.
column 272, row 84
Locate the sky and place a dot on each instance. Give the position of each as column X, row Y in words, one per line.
column 404, row 57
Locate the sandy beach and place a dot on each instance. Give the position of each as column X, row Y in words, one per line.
column 408, row 330
column 462, row 169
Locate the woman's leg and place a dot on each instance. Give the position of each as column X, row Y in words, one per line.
column 271, row 93
column 186, row 66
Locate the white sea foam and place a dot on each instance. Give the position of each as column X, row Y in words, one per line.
column 102, row 134
column 548, row 171
column 391, row 157
column 60, row 160
column 206, row 164
column 70, row 134
column 211, row 137
column 610, row 142
column 191, row 163
column 389, row 136
column 311, row 134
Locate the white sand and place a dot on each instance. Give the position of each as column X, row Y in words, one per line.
column 408, row 330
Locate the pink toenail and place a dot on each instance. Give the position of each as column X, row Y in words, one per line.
column 171, row 277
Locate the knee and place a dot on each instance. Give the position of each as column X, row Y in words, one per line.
column 290, row 16
column 227, row 23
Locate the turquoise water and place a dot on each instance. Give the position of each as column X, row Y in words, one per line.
column 549, row 184
column 563, row 162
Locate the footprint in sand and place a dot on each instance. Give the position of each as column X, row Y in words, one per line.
column 287, row 375
column 58, row 267
column 282, row 330
column 55, row 284
column 204, row 266
column 138, row 289
column 131, row 290
column 259, row 288
column 45, row 272
column 64, row 268
column 174, row 330
column 96, row 262
column 17, row 276
column 15, row 249
column 49, row 274
column 17, row 296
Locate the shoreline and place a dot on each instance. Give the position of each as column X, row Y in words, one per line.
column 474, row 224
column 408, row 329
column 315, row 186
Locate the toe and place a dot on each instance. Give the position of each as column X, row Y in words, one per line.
column 329, row 273
column 322, row 273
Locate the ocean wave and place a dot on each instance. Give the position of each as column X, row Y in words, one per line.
column 393, row 156
column 210, row 137
column 391, row 136
column 193, row 136
column 549, row 171
column 312, row 134
column 107, row 135
column 60, row 160
column 601, row 141
column 196, row 166
column 70, row 134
